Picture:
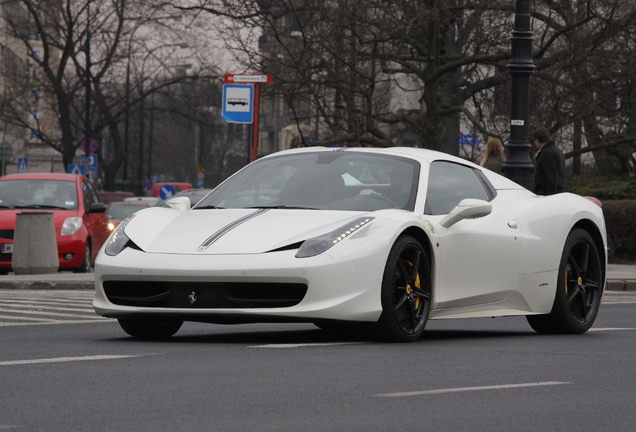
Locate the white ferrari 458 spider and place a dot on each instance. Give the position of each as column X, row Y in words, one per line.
column 381, row 239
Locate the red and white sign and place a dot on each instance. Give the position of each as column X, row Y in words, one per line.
column 93, row 145
column 248, row 78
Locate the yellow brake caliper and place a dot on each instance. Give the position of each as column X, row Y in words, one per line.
column 416, row 305
column 579, row 281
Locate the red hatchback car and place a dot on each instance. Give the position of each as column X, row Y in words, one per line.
column 81, row 225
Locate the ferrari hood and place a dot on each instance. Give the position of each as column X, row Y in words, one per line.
column 229, row 231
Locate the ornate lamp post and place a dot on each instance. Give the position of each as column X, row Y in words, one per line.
column 518, row 166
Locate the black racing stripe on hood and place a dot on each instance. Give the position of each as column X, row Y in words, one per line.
column 229, row 227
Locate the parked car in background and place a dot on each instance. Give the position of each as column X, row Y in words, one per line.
column 110, row 197
column 81, row 225
column 194, row 195
column 168, row 188
column 120, row 210
column 151, row 201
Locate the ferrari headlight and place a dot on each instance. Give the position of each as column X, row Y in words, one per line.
column 71, row 226
column 118, row 239
column 317, row 245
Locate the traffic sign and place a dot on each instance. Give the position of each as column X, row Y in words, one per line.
column 248, row 78
column 238, row 103
column 199, row 183
column 166, row 191
column 76, row 169
column 93, row 145
column 92, row 162
column 23, row 165
column 467, row 139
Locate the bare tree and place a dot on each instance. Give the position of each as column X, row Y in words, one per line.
column 136, row 50
column 375, row 71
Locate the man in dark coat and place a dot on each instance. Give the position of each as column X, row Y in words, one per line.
column 549, row 177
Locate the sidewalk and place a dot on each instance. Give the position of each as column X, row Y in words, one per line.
column 619, row 278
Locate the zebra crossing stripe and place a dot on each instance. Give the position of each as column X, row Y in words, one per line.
column 66, row 359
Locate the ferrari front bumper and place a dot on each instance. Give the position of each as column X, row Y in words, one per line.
column 338, row 287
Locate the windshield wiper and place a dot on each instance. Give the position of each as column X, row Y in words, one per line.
column 282, row 206
column 208, row 207
column 41, row 206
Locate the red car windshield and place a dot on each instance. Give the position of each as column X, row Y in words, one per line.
column 38, row 194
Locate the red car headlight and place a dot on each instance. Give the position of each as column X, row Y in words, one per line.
column 71, row 226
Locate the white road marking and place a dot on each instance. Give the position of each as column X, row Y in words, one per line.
column 49, row 322
column 49, row 301
column 618, row 297
column 11, row 317
column 66, row 359
column 22, row 307
column 610, row 329
column 304, row 345
column 31, row 312
column 466, row 389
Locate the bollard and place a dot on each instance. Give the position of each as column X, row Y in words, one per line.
column 34, row 244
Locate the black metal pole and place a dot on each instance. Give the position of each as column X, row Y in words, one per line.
column 518, row 166
column 126, row 122
column 140, row 160
column 151, row 130
column 87, row 119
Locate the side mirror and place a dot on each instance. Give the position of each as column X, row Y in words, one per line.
column 97, row 208
column 179, row 203
column 467, row 209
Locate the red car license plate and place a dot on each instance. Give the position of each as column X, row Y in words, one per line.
column 7, row 248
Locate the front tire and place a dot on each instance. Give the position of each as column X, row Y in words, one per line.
column 150, row 328
column 579, row 288
column 86, row 261
column 406, row 292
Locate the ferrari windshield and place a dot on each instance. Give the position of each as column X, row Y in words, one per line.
column 337, row 180
column 38, row 194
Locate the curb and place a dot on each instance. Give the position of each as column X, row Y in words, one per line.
column 620, row 285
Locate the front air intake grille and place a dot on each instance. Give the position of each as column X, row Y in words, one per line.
column 204, row 295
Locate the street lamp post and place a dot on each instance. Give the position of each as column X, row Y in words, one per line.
column 518, row 166
column 126, row 121
column 142, row 125
column 87, row 119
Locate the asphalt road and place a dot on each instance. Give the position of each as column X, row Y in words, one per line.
column 64, row 369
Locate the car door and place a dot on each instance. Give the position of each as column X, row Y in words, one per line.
column 97, row 223
column 477, row 259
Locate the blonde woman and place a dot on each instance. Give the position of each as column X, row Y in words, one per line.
column 493, row 156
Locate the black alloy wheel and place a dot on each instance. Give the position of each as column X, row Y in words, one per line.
column 150, row 328
column 579, row 288
column 406, row 292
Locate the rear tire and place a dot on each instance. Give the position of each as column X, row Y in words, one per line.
column 150, row 328
column 579, row 288
column 406, row 292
